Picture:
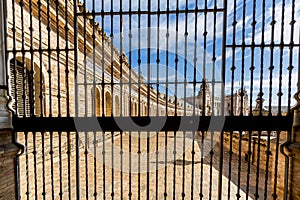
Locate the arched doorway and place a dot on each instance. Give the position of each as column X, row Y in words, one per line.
column 96, row 103
column 117, row 106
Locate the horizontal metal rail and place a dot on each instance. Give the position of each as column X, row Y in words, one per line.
column 172, row 123
column 156, row 12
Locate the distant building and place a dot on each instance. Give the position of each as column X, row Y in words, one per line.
column 234, row 104
column 237, row 103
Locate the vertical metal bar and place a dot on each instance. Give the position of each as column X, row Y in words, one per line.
column 103, row 96
column 231, row 113
column 51, row 164
column 69, row 164
column 31, row 86
column 281, row 58
column 238, row 195
column 201, row 165
column 49, row 57
column 148, row 94
column 166, row 86
column 176, row 88
column 290, row 68
column 193, row 164
column 224, row 40
column 271, row 68
column 112, row 92
column 43, row 165
column 67, row 59
column 249, row 162
column 210, row 165
column 195, row 61
column 77, row 140
column 157, row 97
column 204, row 61
column 120, row 106
column 268, row 153
column 40, row 97
column 274, row 195
column 35, row 166
column 27, row 166
column 24, row 66
column 60, row 166
column 242, row 97
column 252, row 68
column 214, row 60
column 85, row 58
column 139, row 58
column 86, row 164
column 58, row 57
column 230, row 160
column 14, row 58
column 130, row 99
column 85, row 22
column 203, row 93
column 185, row 94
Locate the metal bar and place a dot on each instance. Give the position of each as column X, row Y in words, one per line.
column 31, row 98
column 51, row 164
column 120, row 106
column 279, row 94
column 40, row 96
column 130, row 101
column 271, row 45
column 229, row 170
column 60, row 166
column 157, row 100
column 268, row 153
column 290, row 68
column 161, row 12
column 245, row 123
column 103, row 105
column 155, row 83
column 86, row 165
column 148, row 95
column 57, row 7
column 32, row 50
column 238, row 194
column 49, row 58
column 43, row 166
column 24, row 66
column 27, row 166
column 69, row 163
column 76, row 99
column 223, row 92
column 67, row 72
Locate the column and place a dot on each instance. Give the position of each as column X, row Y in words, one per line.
column 8, row 149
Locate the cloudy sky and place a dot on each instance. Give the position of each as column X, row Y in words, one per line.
column 184, row 48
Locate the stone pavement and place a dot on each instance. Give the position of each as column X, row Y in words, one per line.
column 170, row 175
column 176, row 176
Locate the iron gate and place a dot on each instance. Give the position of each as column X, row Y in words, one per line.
column 152, row 99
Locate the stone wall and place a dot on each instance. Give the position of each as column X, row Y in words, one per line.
column 269, row 151
column 8, row 152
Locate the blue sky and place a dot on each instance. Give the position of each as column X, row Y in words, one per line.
column 187, row 45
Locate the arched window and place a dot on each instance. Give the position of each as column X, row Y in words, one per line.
column 27, row 89
column 96, row 103
column 108, row 104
